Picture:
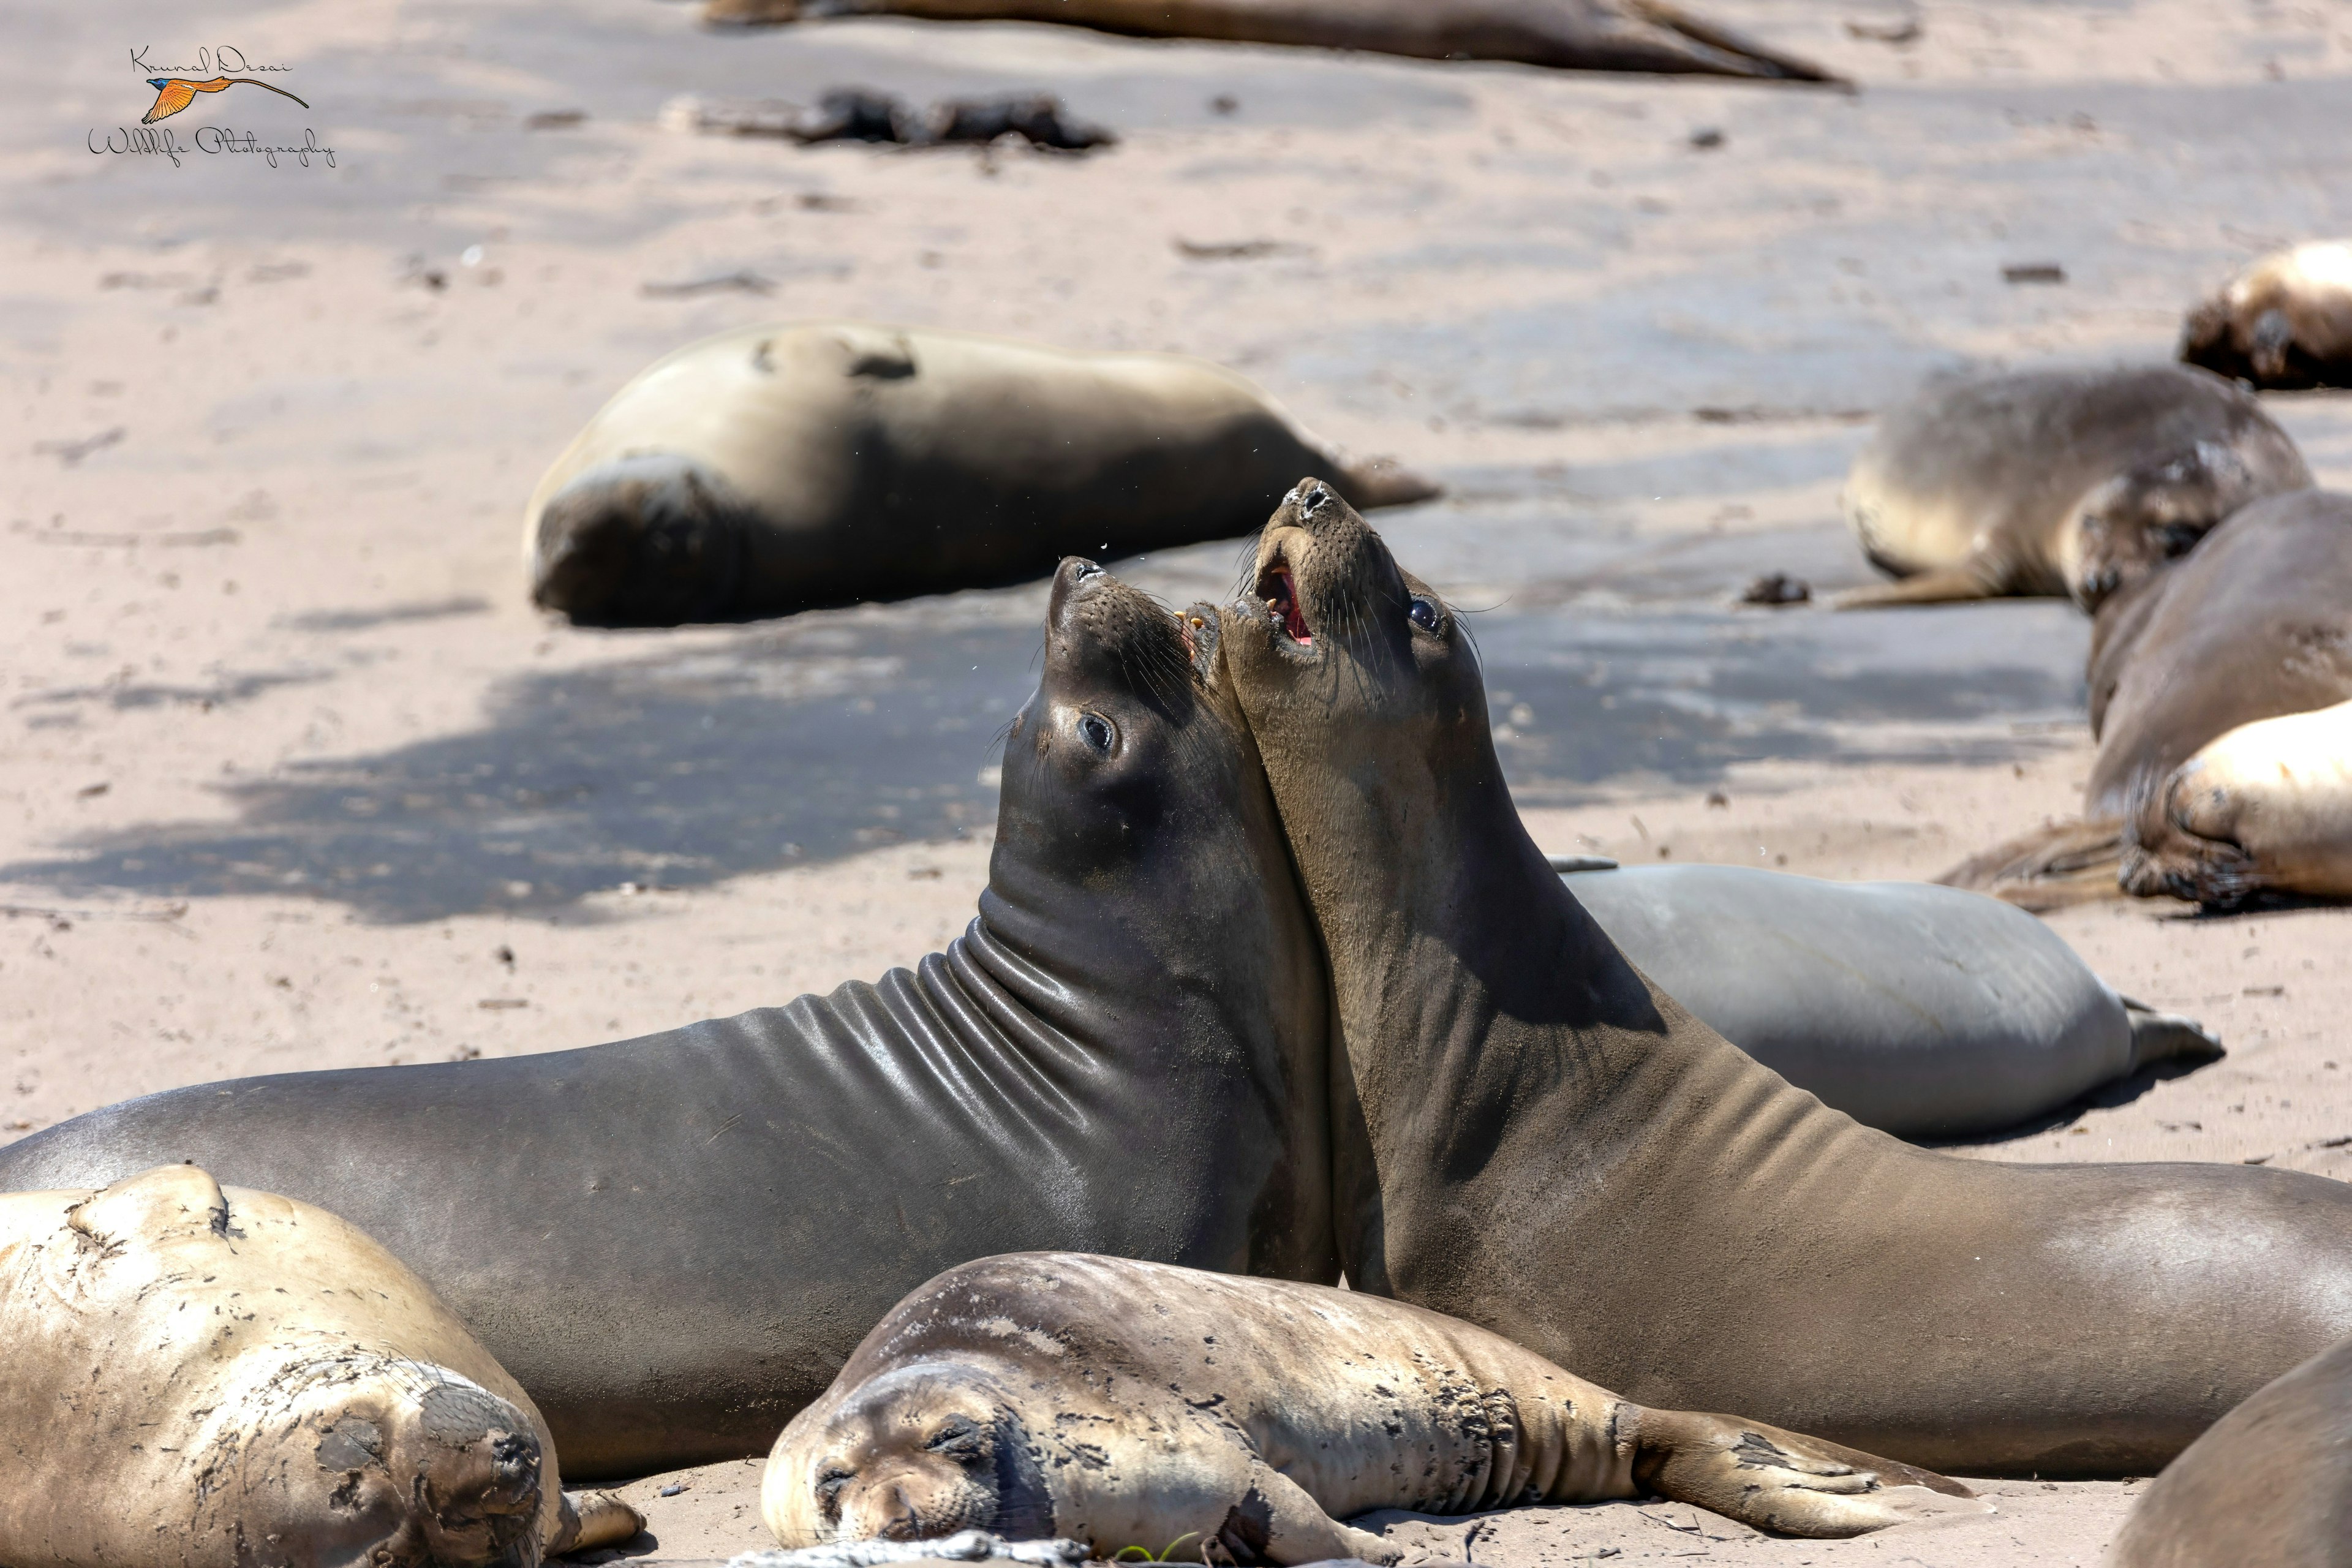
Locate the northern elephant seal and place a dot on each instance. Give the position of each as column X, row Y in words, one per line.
column 2056, row 482
column 1573, row 34
column 2266, row 808
column 2255, row 624
column 1915, row 1009
column 1533, row 1136
column 2283, row 321
column 674, row 1242
column 776, row 468
column 1117, row 1403
column 219, row 1378
column 2268, row 1486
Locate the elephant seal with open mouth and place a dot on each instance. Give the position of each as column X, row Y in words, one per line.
column 1531, row 1135
column 673, row 1243
column 1117, row 1404
column 778, row 468
column 2056, row 482
column 215, row 1377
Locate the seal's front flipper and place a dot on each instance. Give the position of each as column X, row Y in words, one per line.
column 594, row 1520
column 1777, row 1480
column 2162, row 1037
column 2050, row 868
column 1277, row 1521
column 1943, row 585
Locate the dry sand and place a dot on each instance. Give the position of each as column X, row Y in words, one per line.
column 295, row 779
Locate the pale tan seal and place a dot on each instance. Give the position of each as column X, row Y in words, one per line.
column 2283, row 321
column 2268, row 1486
column 776, row 468
column 2267, row 808
column 1530, row 1133
column 2056, row 482
column 1118, row 1404
column 219, row 1378
column 1575, row 35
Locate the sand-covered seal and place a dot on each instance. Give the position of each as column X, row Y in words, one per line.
column 2268, row 1486
column 2056, row 482
column 1534, row 1136
column 673, row 1243
column 2254, row 624
column 775, row 468
column 1117, row 1403
column 1571, row 34
column 218, row 1378
column 2283, row 321
column 1915, row 1009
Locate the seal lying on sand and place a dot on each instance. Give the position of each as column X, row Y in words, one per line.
column 776, row 468
column 2056, row 482
column 2285, row 322
column 2268, row 1486
column 1531, row 1135
column 2255, row 624
column 2267, row 808
column 1116, row 1402
column 240, row 1379
column 1915, row 1009
column 1574, row 34
column 674, row 1242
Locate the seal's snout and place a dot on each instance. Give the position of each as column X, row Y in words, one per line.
column 1277, row 590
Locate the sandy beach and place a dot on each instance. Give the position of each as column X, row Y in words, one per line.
column 295, row 777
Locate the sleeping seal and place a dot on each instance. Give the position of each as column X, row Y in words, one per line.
column 1519, row 1111
column 1573, row 34
column 1116, row 1402
column 674, row 1242
column 2285, row 322
column 2267, row 808
column 2056, row 482
column 1919, row 1010
column 2255, row 624
column 2269, row 1486
column 241, row 1379
column 776, row 468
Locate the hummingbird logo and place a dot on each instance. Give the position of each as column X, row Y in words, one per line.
column 175, row 93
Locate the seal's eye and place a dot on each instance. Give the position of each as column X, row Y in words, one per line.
column 829, row 1482
column 1095, row 731
column 1422, row 612
column 958, row 1438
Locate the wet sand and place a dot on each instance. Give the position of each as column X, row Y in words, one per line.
column 295, row 778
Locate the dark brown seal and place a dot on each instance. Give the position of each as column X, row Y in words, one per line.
column 2270, row 1486
column 1573, row 34
column 1532, row 1136
column 674, row 1242
column 1112, row 1402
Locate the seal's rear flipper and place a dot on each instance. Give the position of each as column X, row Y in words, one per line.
column 2164, row 1036
column 1943, row 585
column 1720, row 50
column 2065, row 863
column 594, row 1520
column 1784, row 1481
column 1383, row 481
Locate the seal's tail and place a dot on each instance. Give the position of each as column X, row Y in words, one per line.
column 2064, row 863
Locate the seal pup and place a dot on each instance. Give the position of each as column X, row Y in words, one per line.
column 674, row 1242
column 2268, row 1486
column 1533, row 1136
column 1570, row 35
column 2056, row 482
column 776, row 468
column 2267, row 808
column 2255, row 624
column 1918, row 1010
column 250, row 1379
column 2285, row 322
column 1116, row 1402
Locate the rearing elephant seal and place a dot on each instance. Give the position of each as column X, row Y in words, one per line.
column 1520, row 1110
column 217, row 1379
column 2269, row 1486
column 2056, row 482
column 1116, row 1402
column 776, row 468
column 673, row 1243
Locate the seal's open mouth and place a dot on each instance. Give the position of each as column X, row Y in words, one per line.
column 1280, row 595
